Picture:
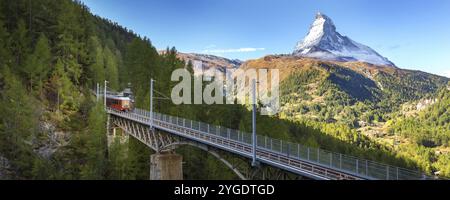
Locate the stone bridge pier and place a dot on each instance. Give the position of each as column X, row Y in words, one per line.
column 166, row 166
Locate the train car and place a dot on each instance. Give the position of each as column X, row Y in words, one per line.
column 121, row 103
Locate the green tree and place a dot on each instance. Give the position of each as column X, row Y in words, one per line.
column 38, row 63
column 111, row 68
column 19, row 121
column 60, row 85
column 5, row 55
column 96, row 147
column 68, row 44
column 97, row 66
column 42, row 169
column 20, row 44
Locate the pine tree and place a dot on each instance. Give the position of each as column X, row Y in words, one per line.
column 5, row 55
column 96, row 162
column 19, row 121
column 133, row 60
column 68, row 45
column 60, row 84
column 20, row 45
column 44, row 59
column 97, row 66
column 119, row 161
column 42, row 169
column 138, row 159
column 37, row 65
column 111, row 68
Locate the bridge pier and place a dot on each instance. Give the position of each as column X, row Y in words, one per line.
column 166, row 166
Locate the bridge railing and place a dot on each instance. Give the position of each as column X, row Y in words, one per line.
column 341, row 162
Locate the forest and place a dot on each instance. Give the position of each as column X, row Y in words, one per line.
column 53, row 53
column 329, row 96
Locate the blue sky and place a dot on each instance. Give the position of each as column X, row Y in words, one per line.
column 413, row 34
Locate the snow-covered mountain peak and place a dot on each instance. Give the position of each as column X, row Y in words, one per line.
column 321, row 26
column 324, row 42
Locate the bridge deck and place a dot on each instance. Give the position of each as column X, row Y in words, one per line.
column 311, row 162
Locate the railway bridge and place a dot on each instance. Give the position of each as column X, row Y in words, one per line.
column 249, row 156
column 275, row 159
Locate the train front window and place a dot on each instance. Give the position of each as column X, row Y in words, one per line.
column 125, row 104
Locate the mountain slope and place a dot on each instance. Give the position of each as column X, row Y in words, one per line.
column 425, row 133
column 363, row 97
column 324, row 42
column 203, row 62
column 433, row 128
column 347, row 83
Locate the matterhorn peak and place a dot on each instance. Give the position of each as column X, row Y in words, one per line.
column 324, row 42
column 321, row 27
column 320, row 16
column 325, row 22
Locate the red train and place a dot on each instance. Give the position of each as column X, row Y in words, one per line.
column 119, row 102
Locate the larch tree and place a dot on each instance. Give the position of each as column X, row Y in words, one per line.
column 5, row 55
column 37, row 65
column 96, row 161
column 20, row 45
column 60, row 84
column 97, row 66
column 68, row 45
column 111, row 68
column 19, row 122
